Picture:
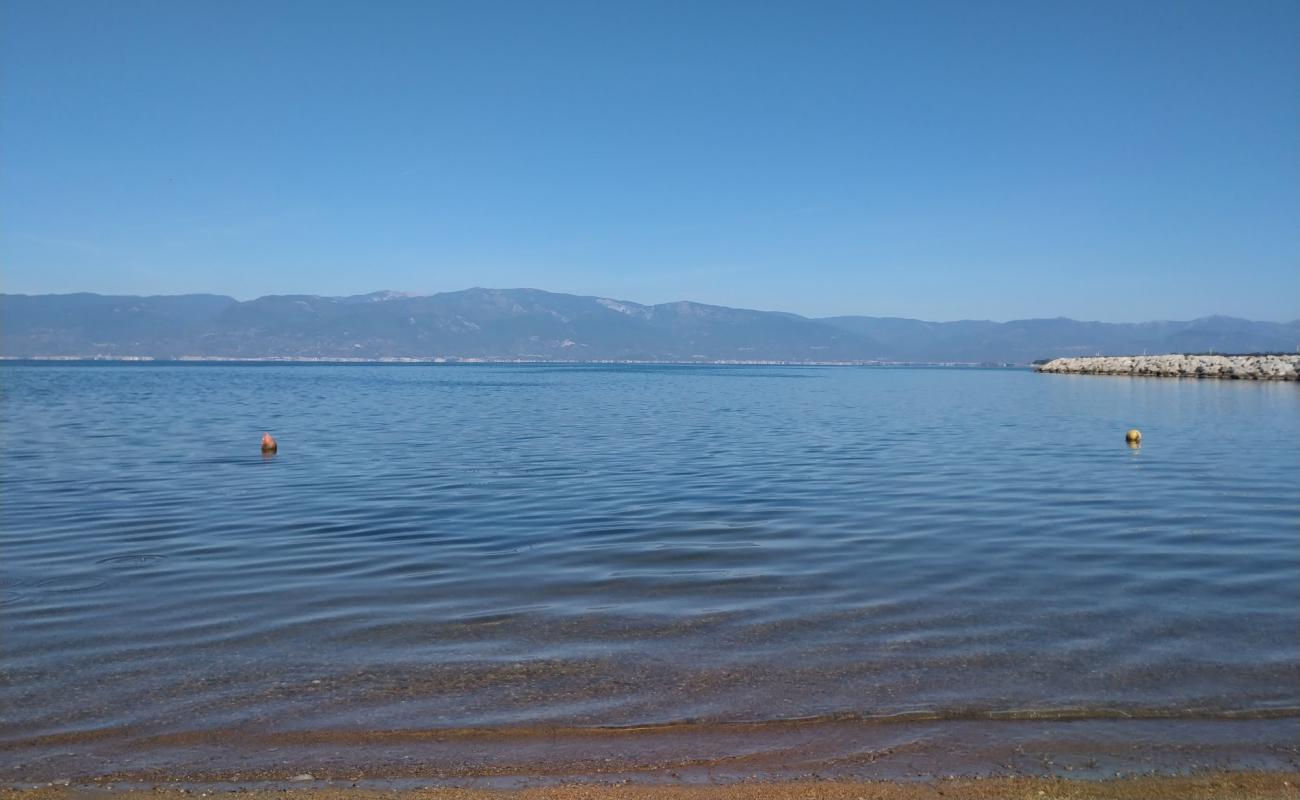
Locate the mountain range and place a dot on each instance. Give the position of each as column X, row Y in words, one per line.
column 537, row 325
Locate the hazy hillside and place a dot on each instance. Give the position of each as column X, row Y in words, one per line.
column 527, row 323
column 1023, row 341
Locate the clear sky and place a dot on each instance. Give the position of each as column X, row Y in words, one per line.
column 1102, row 160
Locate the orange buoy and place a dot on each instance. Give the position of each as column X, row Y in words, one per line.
column 268, row 443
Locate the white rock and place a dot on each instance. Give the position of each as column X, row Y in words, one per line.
column 1284, row 368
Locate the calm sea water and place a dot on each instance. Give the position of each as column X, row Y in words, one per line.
column 443, row 548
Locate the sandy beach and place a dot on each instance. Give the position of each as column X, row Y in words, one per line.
column 1207, row 786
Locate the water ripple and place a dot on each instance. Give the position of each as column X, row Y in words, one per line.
column 455, row 548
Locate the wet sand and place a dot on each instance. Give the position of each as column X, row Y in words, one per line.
column 1207, row 786
column 899, row 750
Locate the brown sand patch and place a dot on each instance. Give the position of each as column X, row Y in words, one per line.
column 1209, row 786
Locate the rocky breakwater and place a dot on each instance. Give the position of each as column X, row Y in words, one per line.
column 1252, row 368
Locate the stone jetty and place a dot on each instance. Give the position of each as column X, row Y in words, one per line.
column 1251, row 368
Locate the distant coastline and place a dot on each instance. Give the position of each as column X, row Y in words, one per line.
column 451, row 360
column 529, row 325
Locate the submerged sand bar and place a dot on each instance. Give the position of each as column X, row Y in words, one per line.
column 1254, row 368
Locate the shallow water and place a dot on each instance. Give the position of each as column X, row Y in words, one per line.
column 465, row 547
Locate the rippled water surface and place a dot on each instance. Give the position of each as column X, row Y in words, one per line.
column 449, row 547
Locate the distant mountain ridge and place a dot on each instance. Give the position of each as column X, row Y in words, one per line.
column 533, row 324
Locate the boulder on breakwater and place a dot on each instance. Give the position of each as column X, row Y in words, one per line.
column 1253, row 368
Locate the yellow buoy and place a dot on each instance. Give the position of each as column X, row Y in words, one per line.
column 1134, row 436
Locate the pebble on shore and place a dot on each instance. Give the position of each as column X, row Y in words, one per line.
column 1253, row 368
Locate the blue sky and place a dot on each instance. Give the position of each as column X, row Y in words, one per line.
column 1101, row 160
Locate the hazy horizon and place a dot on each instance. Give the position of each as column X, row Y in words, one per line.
column 404, row 293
